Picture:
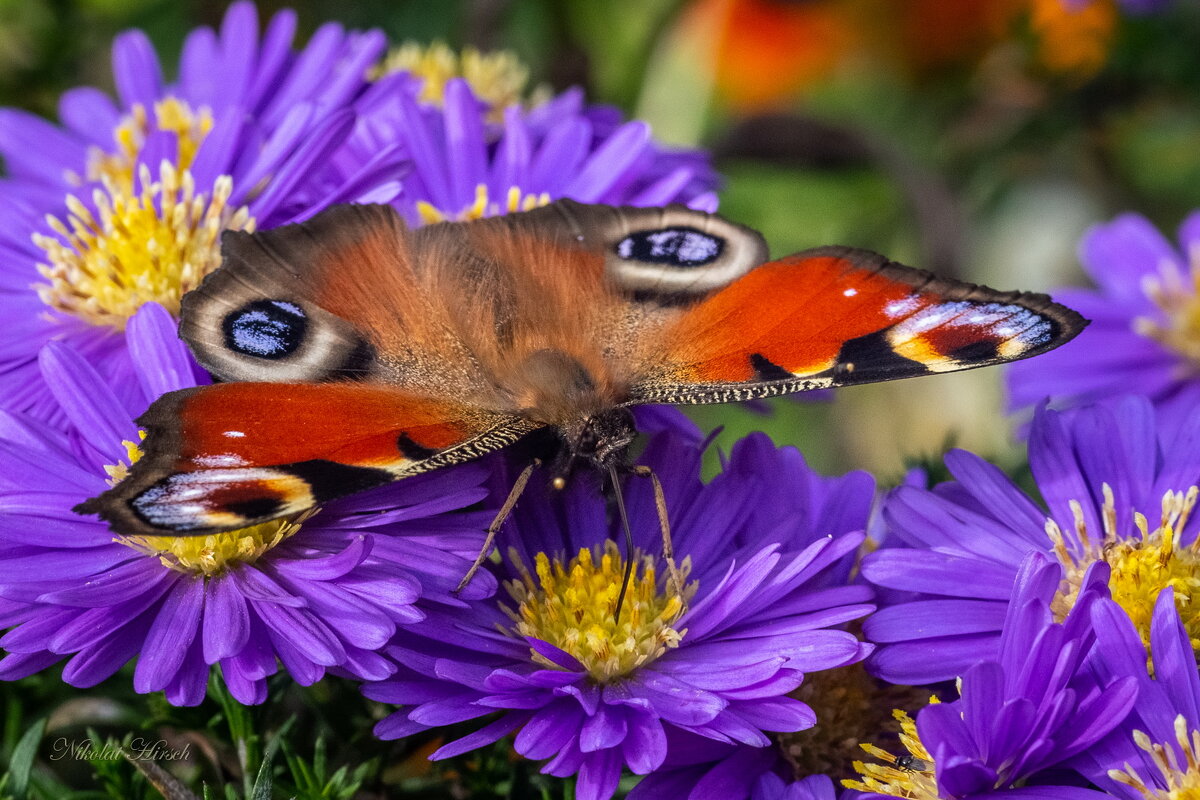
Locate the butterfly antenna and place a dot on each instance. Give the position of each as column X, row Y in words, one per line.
column 664, row 523
column 616, row 483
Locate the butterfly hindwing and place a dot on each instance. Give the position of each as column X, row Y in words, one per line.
column 837, row 316
column 236, row 454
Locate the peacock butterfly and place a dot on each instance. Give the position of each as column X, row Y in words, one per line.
column 356, row 351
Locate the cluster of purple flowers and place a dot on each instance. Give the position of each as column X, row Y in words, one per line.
column 1055, row 624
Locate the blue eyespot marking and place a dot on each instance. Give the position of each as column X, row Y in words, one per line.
column 266, row 329
column 676, row 247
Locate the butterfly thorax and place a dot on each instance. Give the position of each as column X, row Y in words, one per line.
column 552, row 387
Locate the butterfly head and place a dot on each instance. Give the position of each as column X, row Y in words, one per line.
column 599, row 440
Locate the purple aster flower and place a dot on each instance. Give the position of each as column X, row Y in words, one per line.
column 321, row 593
column 464, row 167
column 766, row 548
column 1145, row 331
column 139, row 187
column 1118, row 484
column 1155, row 753
column 1027, row 711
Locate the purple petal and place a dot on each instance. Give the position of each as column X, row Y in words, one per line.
column 598, row 776
column 170, row 636
column 226, row 620
column 486, row 735
column 464, row 142
column 548, row 730
column 163, row 360
column 645, row 745
column 926, row 619
column 85, row 397
column 604, row 729
column 136, row 70
column 1120, row 253
column 930, row 660
column 674, row 700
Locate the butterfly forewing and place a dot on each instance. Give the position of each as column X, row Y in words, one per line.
column 236, row 454
column 837, row 316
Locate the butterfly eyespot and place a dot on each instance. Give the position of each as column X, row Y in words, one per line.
column 677, row 256
column 675, row 247
column 268, row 329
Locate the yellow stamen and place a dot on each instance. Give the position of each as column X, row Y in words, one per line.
column 172, row 115
column 515, row 201
column 213, row 554
column 204, row 555
column 910, row 775
column 498, row 79
column 1178, row 295
column 573, row 607
column 117, row 472
column 1142, row 565
column 1176, row 779
column 153, row 246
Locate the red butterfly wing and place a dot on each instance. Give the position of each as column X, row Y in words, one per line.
column 236, row 454
column 836, row 316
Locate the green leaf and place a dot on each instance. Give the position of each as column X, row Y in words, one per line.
column 262, row 782
column 20, row 766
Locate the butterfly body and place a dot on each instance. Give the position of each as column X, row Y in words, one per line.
column 357, row 351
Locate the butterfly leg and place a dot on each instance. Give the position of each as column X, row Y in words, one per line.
column 514, row 494
column 660, row 503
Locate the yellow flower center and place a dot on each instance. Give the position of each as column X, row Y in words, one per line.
column 152, row 246
column 1179, row 298
column 498, row 79
column 204, row 555
column 909, row 775
column 851, row 707
column 172, row 115
column 1181, row 778
column 514, row 201
column 573, row 607
column 1142, row 565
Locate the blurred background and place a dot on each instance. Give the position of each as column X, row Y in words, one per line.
column 975, row 138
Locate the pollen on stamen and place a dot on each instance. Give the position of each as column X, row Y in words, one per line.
column 189, row 125
column 573, row 607
column 1142, row 562
column 515, row 200
column 498, row 79
column 155, row 245
column 910, row 775
column 205, row 555
column 1176, row 779
column 1178, row 297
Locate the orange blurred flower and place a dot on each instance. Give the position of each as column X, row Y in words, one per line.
column 1073, row 41
column 767, row 51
